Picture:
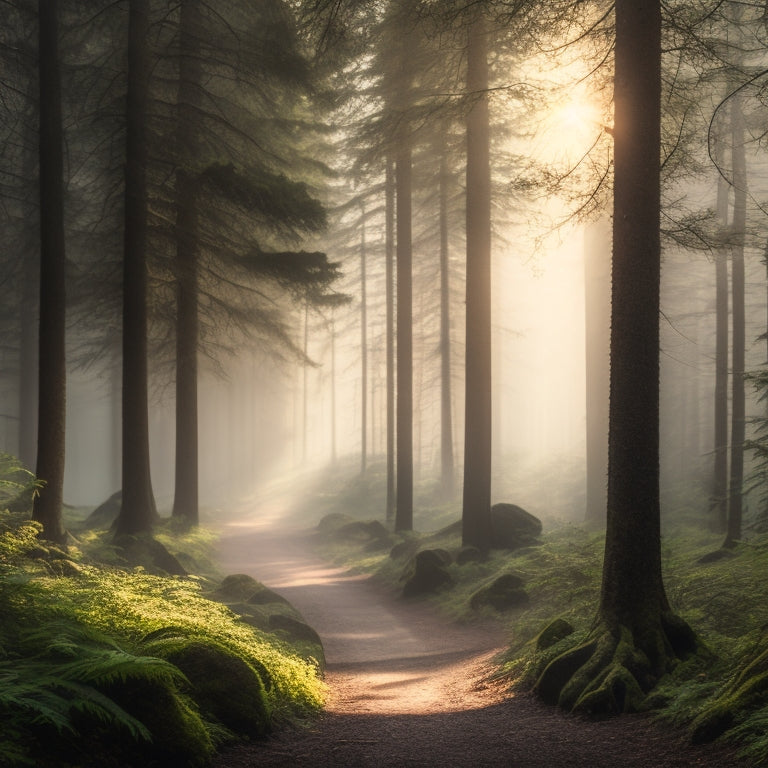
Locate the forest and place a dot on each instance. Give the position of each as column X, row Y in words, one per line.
column 376, row 372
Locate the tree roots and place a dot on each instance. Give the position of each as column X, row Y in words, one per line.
column 612, row 672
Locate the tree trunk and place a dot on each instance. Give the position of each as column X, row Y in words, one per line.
column 363, row 349
column 137, row 511
column 476, row 510
column 185, row 496
column 597, row 305
column 186, row 491
column 29, row 341
column 52, row 354
column 738, row 229
column 404, row 505
column 447, row 483
column 389, row 273
column 636, row 638
column 719, row 499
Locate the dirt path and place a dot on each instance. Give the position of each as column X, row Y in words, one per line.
column 406, row 686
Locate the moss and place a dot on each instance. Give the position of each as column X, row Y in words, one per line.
column 748, row 690
column 553, row 633
column 179, row 735
column 609, row 674
column 225, row 687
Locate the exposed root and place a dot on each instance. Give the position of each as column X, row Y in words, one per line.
column 613, row 671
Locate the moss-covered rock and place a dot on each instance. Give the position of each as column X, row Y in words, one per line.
column 505, row 592
column 179, row 736
column 468, row 555
column 403, row 549
column 242, row 588
column 148, row 553
column 512, row 527
column 106, row 513
column 300, row 634
column 427, row 572
column 553, row 633
column 225, row 687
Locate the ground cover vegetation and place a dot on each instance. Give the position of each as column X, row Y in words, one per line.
column 107, row 662
column 544, row 594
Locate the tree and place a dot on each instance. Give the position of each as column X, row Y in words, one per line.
column 476, row 509
column 52, row 356
column 137, row 510
column 637, row 637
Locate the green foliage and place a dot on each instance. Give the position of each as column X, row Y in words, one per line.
column 725, row 683
column 88, row 676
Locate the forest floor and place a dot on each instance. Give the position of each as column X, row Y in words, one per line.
column 408, row 688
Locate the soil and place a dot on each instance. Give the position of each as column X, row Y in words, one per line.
column 408, row 688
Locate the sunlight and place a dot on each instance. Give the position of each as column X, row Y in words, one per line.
column 574, row 125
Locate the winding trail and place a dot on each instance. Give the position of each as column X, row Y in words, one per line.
column 406, row 688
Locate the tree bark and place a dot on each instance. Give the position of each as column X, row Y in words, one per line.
column 137, row 511
column 363, row 349
column 404, row 504
column 720, row 467
column 738, row 405
column 186, row 491
column 597, row 305
column 636, row 638
column 447, row 481
column 476, row 508
column 52, row 353
column 389, row 274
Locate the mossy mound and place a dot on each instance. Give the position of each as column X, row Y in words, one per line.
column 469, row 555
column 553, row 633
column 241, row 588
column 148, row 553
column 512, row 527
column 745, row 693
column 505, row 592
column 427, row 572
column 179, row 735
column 226, row 688
column 106, row 513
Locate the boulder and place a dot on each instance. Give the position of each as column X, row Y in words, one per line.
column 427, row 572
column 106, row 513
column 501, row 594
column 224, row 686
column 404, row 548
column 512, row 527
column 241, row 588
column 468, row 555
column 147, row 552
column 553, row 633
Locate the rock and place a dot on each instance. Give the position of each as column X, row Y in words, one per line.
column 468, row 555
column 106, row 513
column 553, row 633
column 361, row 530
column 379, row 545
column 241, row 588
column 427, row 572
column 332, row 522
column 403, row 549
column 224, row 686
column 150, row 554
column 513, row 527
column 299, row 632
column 504, row 592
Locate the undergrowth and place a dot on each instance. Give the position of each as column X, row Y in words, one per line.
column 721, row 692
column 99, row 662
